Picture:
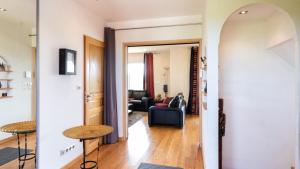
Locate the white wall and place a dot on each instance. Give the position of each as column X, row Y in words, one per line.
column 283, row 30
column 180, row 71
column 135, row 58
column 161, row 65
column 141, row 35
column 282, row 41
column 259, row 91
column 215, row 15
column 15, row 47
column 62, row 24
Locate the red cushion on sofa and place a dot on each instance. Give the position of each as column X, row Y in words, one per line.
column 161, row 105
column 167, row 100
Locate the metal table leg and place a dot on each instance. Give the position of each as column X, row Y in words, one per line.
column 24, row 157
column 93, row 164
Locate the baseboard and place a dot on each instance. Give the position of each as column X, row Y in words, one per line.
column 14, row 138
column 73, row 162
column 9, row 139
column 122, row 139
column 79, row 158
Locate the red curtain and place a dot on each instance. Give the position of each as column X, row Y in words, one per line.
column 193, row 104
column 148, row 74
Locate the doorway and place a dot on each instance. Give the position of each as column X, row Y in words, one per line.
column 258, row 85
column 126, row 83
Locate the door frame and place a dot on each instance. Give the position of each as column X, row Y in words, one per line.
column 85, row 38
column 34, row 84
column 125, row 73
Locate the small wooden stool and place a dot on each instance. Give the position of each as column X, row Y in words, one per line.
column 19, row 128
column 88, row 132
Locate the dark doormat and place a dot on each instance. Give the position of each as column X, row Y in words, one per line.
column 154, row 166
column 135, row 117
column 9, row 154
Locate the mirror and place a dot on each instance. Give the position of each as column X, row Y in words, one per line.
column 17, row 82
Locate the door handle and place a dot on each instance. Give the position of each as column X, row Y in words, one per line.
column 88, row 97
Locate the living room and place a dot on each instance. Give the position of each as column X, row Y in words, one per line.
column 156, row 75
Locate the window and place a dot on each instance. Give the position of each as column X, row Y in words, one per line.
column 136, row 76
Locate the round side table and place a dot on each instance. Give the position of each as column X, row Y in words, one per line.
column 88, row 132
column 21, row 128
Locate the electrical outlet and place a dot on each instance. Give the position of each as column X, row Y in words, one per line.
column 66, row 150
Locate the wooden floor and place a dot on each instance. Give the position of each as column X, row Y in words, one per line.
column 159, row 145
column 14, row 164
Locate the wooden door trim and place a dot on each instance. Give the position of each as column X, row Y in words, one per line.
column 124, row 70
column 87, row 40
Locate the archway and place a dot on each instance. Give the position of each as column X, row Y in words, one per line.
column 258, row 82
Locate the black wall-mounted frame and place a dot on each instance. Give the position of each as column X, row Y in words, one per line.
column 67, row 62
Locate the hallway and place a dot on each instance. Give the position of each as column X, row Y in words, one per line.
column 159, row 145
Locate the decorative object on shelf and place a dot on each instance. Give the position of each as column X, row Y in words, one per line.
column 204, row 61
column 3, row 64
column 5, row 82
column 2, row 67
column 67, row 62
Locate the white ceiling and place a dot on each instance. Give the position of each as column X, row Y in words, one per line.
column 257, row 11
column 121, row 10
column 156, row 49
column 21, row 11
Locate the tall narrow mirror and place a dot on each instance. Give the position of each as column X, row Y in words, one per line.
column 17, row 83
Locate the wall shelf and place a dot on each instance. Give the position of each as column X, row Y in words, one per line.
column 6, row 80
column 6, row 88
column 5, row 97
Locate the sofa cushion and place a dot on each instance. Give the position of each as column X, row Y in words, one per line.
column 139, row 94
column 174, row 103
column 135, row 101
column 161, row 105
column 167, row 100
column 130, row 93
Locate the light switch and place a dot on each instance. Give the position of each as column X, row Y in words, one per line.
column 28, row 74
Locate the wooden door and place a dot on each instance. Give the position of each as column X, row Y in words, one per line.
column 93, row 85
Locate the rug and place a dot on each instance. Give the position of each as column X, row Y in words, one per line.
column 135, row 117
column 9, row 154
column 154, row 166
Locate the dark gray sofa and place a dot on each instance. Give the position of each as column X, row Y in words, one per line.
column 140, row 100
column 173, row 115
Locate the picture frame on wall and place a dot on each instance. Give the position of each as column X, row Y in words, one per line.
column 67, row 62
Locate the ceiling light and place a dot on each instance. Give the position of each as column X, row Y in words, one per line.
column 3, row 10
column 243, row 12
